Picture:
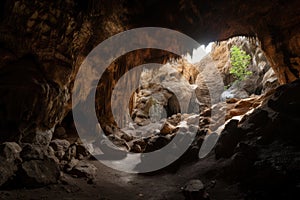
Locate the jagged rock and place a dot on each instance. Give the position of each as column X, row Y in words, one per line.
column 269, row 81
column 156, row 142
column 84, row 169
column 38, row 137
column 240, row 107
column 169, row 89
column 141, row 114
column 37, row 152
column 70, row 153
column 175, row 119
column 195, row 190
column 228, row 140
column 136, row 148
column 60, row 147
column 209, row 88
column 81, row 151
column 9, row 159
column 51, row 154
column 125, row 135
column 35, row 173
column 70, row 165
column 32, row 152
column 138, row 145
column 58, row 144
column 168, row 129
column 119, row 142
column 9, row 151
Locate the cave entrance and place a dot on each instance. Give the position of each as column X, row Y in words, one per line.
column 253, row 76
column 155, row 107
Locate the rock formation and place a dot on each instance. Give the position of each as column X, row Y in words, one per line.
column 43, row 44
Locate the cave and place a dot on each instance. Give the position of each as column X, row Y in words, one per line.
column 104, row 99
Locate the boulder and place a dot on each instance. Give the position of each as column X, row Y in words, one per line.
column 269, row 81
column 9, row 160
column 195, row 190
column 32, row 152
column 156, row 142
column 168, row 129
column 38, row 137
column 69, row 166
column 9, row 151
column 81, row 151
column 228, row 140
column 84, row 169
column 60, row 146
column 235, row 91
column 70, row 153
column 36, row 173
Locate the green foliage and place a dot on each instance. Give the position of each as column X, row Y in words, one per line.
column 240, row 61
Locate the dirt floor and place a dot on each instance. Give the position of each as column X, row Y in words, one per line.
column 114, row 185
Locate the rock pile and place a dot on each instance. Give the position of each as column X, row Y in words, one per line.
column 34, row 166
column 261, row 149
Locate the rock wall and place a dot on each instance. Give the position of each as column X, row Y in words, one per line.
column 60, row 34
column 42, row 45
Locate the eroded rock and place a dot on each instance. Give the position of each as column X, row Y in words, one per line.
column 33, row 152
column 195, row 190
column 84, row 169
column 35, row 173
column 228, row 140
column 60, row 147
column 9, row 160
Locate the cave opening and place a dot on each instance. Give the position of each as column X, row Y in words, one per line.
column 163, row 89
column 154, row 109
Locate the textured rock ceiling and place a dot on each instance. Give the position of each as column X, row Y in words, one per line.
column 51, row 39
column 66, row 30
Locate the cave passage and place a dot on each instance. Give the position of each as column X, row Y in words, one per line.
column 218, row 123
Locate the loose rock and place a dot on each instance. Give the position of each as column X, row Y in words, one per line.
column 84, row 169
column 35, row 173
column 9, row 159
column 195, row 190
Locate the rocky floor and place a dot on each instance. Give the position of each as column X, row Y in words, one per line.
column 112, row 185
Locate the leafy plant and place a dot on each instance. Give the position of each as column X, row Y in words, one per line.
column 240, row 61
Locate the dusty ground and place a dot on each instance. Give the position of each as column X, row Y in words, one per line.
column 114, row 185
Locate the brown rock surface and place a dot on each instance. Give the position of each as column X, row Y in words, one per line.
column 42, row 45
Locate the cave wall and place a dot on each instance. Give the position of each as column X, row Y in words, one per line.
column 276, row 24
column 282, row 49
column 43, row 43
